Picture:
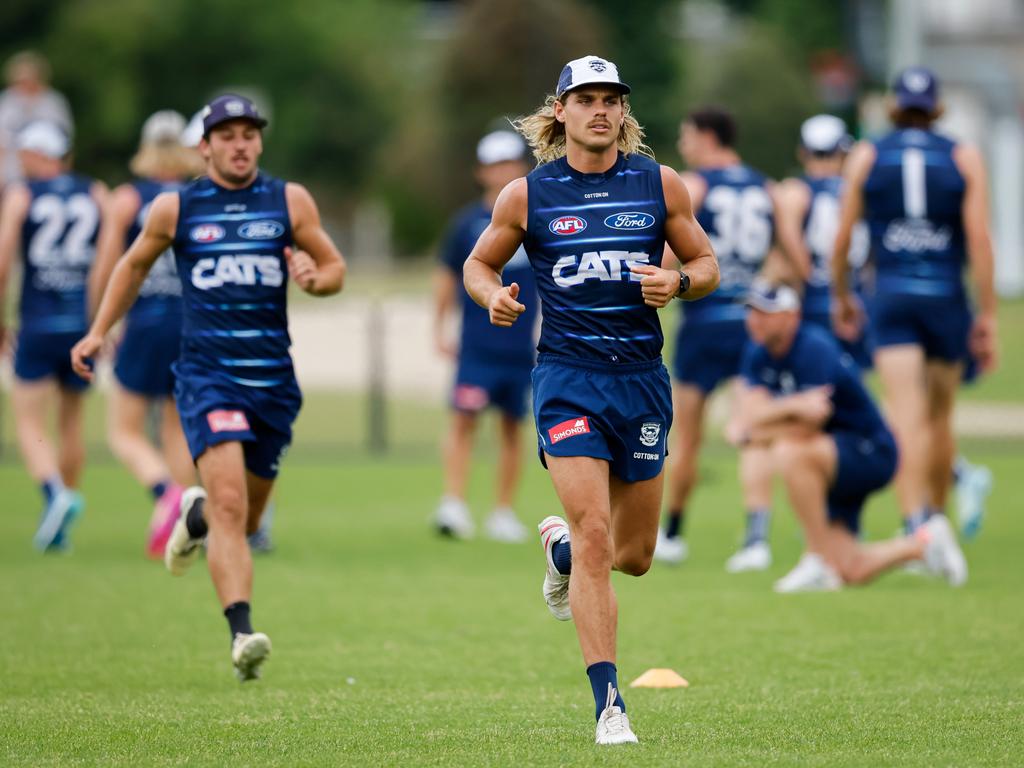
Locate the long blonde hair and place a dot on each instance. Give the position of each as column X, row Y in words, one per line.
column 546, row 136
column 166, row 160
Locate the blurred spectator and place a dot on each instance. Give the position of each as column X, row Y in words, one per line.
column 27, row 98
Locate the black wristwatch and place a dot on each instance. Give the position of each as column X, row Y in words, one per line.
column 684, row 284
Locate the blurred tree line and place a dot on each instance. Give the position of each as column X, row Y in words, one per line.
column 387, row 98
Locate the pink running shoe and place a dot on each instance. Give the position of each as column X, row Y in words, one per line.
column 165, row 514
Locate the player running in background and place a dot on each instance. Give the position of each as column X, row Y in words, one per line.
column 152, row 332
column 804, row 407
column 734, row 206
column 235, row 387
column 494, row 363
column 925, row 199
column 594, row 219
column 53, row 216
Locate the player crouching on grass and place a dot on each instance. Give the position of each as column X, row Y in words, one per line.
column 803, row 405
column 233, row 232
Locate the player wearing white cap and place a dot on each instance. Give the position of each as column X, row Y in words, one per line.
column 53, row 217
column 493, row 364
column 152, row 332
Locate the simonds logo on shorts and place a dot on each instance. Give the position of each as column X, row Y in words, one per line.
column 569, row 428
column 227, row 421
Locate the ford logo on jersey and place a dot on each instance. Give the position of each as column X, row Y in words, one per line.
column 261, row 230
column 630, row 220
column 207, row 233
column 567, row 225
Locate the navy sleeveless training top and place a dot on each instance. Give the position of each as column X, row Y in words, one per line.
column 229, row 249
column 583, row 232
column 160, row 294
column 59, row 244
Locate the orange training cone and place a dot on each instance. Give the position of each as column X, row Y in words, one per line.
column 659, row 678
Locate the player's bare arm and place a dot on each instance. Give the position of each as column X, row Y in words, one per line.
column 792, row 199
column 127, row 277
column 496, row 246
column 122, row 208
column 16, row 200
column 811, row 407
column 445, row 291
column 318, row 268
column 975, row 214
column 690, row 246
column 847, row 312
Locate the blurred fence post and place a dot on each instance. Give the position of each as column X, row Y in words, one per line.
column 377, row 441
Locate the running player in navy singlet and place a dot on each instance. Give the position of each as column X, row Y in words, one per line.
column 594, row 219
column 925, row 199
column 733, row 204
column 232, row 233
column 53, row 216
column 494, row 363
column 804, row 407
column 152, row 330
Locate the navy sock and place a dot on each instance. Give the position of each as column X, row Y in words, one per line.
column 757, row 525
column 674, row 523
column 561, row 556
column 916, row 520
column 50, row 487
column 194, row 521
column 237, row 615
column 159, row 489
column 601, row 674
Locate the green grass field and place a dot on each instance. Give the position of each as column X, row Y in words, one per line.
column 393, row 647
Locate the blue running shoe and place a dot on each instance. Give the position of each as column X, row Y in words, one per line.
column 973, row 485
column 58, row 517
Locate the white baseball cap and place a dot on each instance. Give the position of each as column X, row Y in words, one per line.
column 825, row 134
column 500, row 147
column 590, row 70
column 45, row 138
column 771, row 298
column 193, row 131
column 165, row 126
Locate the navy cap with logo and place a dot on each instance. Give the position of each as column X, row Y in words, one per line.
column 590, row 70
column 230, row 107
column 917, row 88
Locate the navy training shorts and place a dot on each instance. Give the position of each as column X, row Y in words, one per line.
column 863, row 465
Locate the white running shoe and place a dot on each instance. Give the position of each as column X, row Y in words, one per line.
column 453, row 519
column 672, row 551
column 248, row 652
column 182, row 550
column 756, row 557
column 556, row 585
column 942, row 553
column 503, row 525
column 973, row 486
column 59, row 515
column 811, row 574
column 613, row 724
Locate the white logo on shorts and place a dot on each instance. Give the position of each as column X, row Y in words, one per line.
column 649, row 433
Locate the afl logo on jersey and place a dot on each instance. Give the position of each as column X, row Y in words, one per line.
column 261, row 230
column 207, row 233
column 567, row 225
column 630, row 220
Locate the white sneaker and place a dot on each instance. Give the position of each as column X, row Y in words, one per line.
column 556, row 585
column 453, row 519
column 182, row 550
column 973, row 486
column 248, row 652
column 613, row 724
column 811, row 574
column 942, row 554
column 672, row 551
column 503, row 525
column 756, row 557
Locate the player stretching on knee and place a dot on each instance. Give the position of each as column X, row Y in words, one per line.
column 804, row 407
column 494, row 364
column 152, row 332
column 232, row 232
column 54, row 215
column 925, row 199
column 594, row 220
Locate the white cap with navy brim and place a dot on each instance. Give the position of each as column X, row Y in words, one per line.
column 590, row 70
column 45, row 138
column 500, row 147
column 766, row 297
column 825, row 134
